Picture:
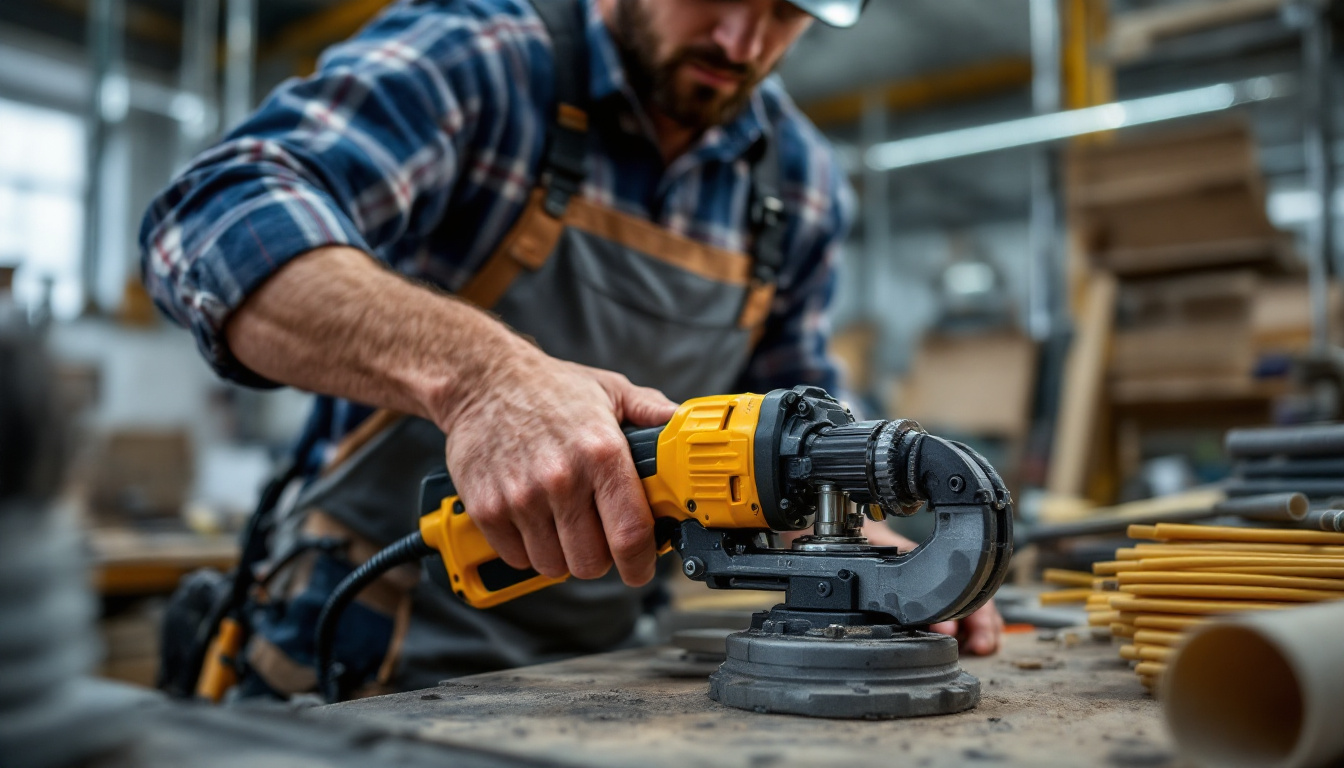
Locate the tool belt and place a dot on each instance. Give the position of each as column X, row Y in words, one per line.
column 292, row 559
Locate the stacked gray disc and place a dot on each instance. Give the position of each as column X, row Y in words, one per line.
column 855, row 672
column 47, row 638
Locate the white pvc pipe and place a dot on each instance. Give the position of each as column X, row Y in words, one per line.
column 1261, row 690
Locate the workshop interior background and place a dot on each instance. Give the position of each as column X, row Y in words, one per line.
column 1091, row 302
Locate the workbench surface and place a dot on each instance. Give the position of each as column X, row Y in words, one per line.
column 1050, row 699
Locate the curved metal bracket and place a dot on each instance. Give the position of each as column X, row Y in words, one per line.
column 947, row 577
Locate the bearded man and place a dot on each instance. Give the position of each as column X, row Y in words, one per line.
column 519, row 225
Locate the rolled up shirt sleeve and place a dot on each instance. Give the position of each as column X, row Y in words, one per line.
column 360, row 154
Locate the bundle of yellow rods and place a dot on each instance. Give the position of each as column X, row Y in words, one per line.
column 1151, row 595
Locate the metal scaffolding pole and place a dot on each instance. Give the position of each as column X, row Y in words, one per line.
column 1043, row 271
column 198, row 117
column 109, row 99
column 240, row 60
column 876, row 199
column 1318, row 143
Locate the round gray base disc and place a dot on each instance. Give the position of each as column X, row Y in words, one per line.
column 853, row 676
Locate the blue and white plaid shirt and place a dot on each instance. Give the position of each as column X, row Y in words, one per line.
column 419, row 140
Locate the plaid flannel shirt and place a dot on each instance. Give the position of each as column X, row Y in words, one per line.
column 418, row 141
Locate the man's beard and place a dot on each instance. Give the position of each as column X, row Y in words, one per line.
column 697, row 107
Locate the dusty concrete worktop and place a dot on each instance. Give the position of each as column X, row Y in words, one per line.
column 1042, row 703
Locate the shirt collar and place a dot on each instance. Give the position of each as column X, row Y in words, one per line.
column 607, row 77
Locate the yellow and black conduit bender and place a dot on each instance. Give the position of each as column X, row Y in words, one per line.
column 727, row 468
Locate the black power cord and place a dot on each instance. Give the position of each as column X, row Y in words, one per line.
column 408, row 549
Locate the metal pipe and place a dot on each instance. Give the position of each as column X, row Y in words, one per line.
column 831, row 517
column 1315, row 440
column 1046, row 96
column 197, row 101
column 876, row 201
column 1282, row 506
column 240, row 60
column 1273, row 507
column 1316, row 489
column 1278, row 468
column 1318, row 136
column 1331, row 520
column 1042, row 129
column 107, row 105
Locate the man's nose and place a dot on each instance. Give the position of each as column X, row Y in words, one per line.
column 741, row 32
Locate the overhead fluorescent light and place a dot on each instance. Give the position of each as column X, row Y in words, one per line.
column 1041, row 129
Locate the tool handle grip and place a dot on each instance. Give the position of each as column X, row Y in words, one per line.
column 477, row 573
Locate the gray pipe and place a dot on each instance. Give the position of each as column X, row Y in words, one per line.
column 1273, row 507
column 1325, row 520
column 1317, row 440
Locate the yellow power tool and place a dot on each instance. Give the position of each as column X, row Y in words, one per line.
column 727, row 469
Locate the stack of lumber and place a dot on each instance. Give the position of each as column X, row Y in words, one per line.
column 1189, row 303
column 1153, row 594
column 1171, row 201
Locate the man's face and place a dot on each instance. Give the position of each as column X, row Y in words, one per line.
column 698, row 61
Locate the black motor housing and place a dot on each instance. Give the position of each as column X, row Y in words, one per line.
column 805, row 438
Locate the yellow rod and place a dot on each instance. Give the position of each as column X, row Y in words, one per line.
column 1211, row 607
column 1150, row 668
column 1157, row 637
column 1183, row 532
column 1110, row 568
column 1230, row 561
column 1065, row 596
column 1142, row 532
column 1230, row 579
column 1171, row 622
column 1225, row 592
column 1130, row 554
column 1102, row 618
column 1244, row 546
column 1305, row 572
column 1063, row 578
column 1121, row 630
column 1146, row 652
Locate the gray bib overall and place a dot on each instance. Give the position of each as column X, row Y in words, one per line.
column 590, row 285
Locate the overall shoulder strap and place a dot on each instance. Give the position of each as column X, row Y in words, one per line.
column 565, row 162
column 767, row 211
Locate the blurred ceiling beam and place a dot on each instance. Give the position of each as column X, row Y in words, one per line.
column 1134, row 34
column 942, row 87
column 140, row 22
column 307, row 37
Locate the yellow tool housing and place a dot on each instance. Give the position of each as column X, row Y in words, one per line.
column 705, row 469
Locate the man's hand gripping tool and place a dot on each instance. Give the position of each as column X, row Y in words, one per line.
column 727, row 469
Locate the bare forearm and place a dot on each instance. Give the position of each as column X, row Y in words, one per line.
column 334, row 321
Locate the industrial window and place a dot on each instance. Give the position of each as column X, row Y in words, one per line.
column 41, row 204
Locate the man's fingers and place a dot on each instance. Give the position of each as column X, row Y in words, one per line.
column 626, row 520
column 494, row 523
column 944, row 628
column 582, row 539
column 531, row 512
column 983, row 631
